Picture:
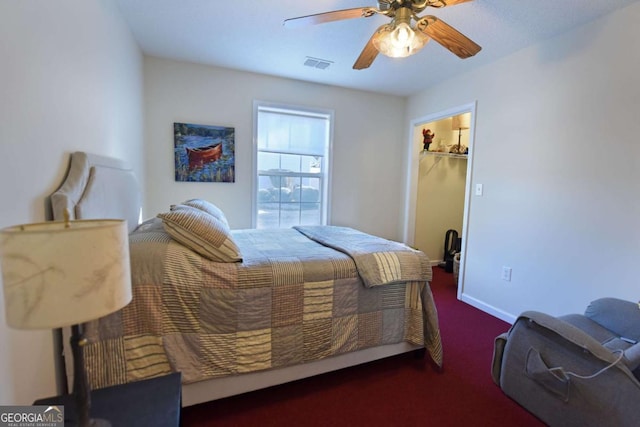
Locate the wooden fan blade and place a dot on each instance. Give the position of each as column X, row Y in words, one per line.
column 367, row 56
column 336, row 15
column 453, row 2
column 448, row 36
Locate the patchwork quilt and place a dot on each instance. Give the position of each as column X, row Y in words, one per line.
column 291, row 300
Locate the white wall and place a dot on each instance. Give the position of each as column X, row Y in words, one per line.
column 367, row 145
column 556, row 147
column 71, row 79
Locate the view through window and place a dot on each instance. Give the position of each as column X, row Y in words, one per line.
column 291, row 166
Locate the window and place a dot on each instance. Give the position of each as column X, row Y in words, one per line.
column 291, row 166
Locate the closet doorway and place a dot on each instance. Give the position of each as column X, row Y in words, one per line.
column 441, row 161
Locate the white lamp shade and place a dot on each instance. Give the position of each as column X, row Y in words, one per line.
column 461, row 121
column 58, row 274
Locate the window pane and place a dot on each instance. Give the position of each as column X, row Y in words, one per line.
column 268, row 215
column 310, row 214
column 282, row 194
column 291, row 146
column 264, row 182
column 311, row 164
column 268, row 161
column 289, row 215
column 290, row 162
column 309, row 191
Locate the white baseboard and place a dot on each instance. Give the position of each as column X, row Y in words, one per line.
column 489, row 309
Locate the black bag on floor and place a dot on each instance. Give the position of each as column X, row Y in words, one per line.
column 451, row 247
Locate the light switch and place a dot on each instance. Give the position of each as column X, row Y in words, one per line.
column 478, row 189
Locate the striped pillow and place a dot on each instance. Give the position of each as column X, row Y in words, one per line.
column 207, row 207
column 202, row 233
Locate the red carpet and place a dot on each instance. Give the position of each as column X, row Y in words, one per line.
column 398, row 391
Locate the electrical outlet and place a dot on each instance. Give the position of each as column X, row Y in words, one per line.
column 506, row 274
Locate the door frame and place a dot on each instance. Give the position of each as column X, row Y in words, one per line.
column 411, row 201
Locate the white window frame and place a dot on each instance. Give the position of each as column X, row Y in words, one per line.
column 326, row 184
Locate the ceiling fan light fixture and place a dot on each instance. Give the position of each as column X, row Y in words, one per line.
column 406, row 34
column 399, row 39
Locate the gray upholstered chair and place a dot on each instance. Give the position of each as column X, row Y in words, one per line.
column 575, row 370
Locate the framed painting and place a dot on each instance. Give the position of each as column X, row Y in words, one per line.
column 204, row 153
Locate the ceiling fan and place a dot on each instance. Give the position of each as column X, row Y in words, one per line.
column 399, row 38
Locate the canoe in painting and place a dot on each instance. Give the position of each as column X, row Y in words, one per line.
column 200, row 156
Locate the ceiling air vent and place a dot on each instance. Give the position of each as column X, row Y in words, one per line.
column 317, row 63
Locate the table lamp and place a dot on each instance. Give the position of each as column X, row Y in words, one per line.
column 460, row 122
column 65, row 273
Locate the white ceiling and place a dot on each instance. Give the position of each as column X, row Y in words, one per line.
column 249, row 36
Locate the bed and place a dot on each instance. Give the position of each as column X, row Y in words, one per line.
column 250, row 309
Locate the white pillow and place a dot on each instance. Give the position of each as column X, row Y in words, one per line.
column 207, row 207
column 202, row 233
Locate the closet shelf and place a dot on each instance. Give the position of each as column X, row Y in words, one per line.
column 439, row 154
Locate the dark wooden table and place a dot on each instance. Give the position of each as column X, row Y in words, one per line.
column 154, row 402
